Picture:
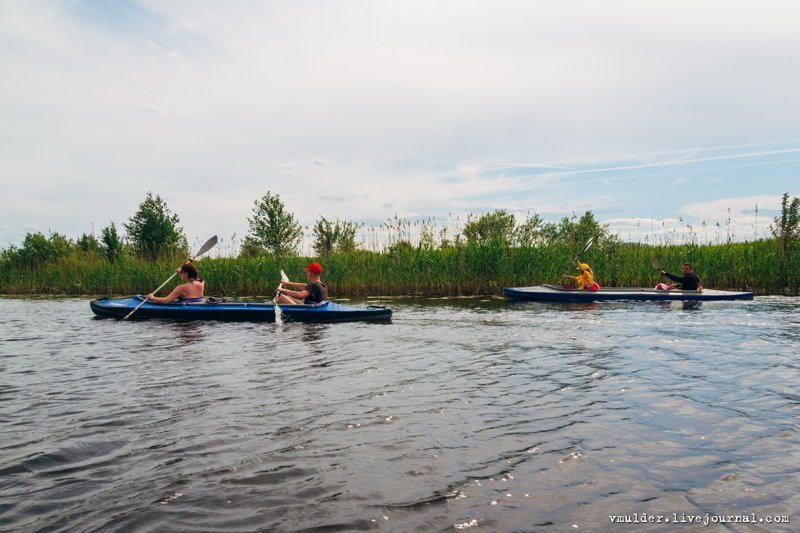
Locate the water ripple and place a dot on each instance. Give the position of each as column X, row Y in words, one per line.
column 460, row 414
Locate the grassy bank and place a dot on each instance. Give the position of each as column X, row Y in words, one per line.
column 458, row 270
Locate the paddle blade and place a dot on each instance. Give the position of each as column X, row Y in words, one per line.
column 586, row 246
column 284, row 277
column 210, row 243
column 655, row 264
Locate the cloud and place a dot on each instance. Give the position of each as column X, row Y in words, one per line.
column 152, row 109
column 722, row 208
column 679, row 180
column 176, row 55
column 738, row 215
column 516, row 105
column 339, row 199
column 293, row 169
column 288, row 169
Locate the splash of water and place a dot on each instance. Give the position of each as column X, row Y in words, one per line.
column 278, row 311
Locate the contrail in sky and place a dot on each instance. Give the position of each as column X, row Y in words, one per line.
column 50, row 17
column 661, row 164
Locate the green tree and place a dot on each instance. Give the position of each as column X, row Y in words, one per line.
column 87, row 243
column 786, row 229
column 535, row 230
column 496, row 228
column 36, row 250
column 337, row 236
column 153, row 230
column 110, row 243
column 273, row 229
column 786, row 226
column 576, row 231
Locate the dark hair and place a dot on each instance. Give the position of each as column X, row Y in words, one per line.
column 688, row 264
column 189, row 269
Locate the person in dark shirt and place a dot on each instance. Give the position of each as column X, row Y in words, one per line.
column 313, row 292
column 689, row 281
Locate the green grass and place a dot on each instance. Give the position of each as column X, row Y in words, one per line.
column 460, row 270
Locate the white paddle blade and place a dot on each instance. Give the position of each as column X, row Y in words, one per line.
column 587, row 246
column 284, row 277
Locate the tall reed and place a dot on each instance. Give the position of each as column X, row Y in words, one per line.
column 461, row 269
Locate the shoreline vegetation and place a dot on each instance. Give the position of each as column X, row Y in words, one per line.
column 486, row 254
column 414, row 271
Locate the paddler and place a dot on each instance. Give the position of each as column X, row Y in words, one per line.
column 190, row 291
column 689, row 281
column 312, row 292
column 585, row 278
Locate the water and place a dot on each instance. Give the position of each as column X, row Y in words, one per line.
column 460, row 414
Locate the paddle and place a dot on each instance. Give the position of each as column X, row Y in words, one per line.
column 655, row 264
column 583, row 251
column 278, row 312
column 585, row 247
column 210, row 243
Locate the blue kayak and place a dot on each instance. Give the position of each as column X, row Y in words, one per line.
column 209, row 309
column 553, row 293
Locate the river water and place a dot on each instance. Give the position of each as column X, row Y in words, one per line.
column 460, row 414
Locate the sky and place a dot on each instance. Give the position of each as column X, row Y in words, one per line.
column 650, row 114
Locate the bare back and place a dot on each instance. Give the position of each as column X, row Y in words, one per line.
column 192, row 289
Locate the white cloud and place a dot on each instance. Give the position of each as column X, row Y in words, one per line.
column 679, row 180
column 723, row 208
column 152, row 109
column 737, row 215
column 421, row 107
column 176, row 55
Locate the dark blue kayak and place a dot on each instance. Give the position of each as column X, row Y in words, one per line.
column 238, row 311
column 553, row 293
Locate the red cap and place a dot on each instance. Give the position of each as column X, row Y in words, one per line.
column 314, row 268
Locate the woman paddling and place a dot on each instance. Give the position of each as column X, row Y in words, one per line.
column 584, row 280
column 190, row 291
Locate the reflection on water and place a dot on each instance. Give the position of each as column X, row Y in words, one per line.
column 187, row 333
column 460, row 414
column 313, row 336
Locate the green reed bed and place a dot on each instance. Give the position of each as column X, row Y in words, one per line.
column 428, row 271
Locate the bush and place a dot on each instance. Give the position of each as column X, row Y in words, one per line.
column 153, row 230
column 273, row 229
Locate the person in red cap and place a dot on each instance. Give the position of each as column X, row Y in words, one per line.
column 313, row 292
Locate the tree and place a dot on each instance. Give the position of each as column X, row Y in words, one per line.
column 786, row 229
column 576, row 231
column 153, row 230
column 534, row 231
column 87, row 243
column 273, row 229
column 338, row 236
column 495, row 228
column 110, row 243
column 36, row 250
column 786, row 226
